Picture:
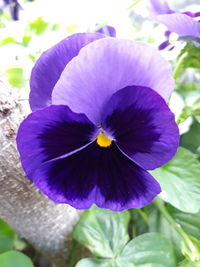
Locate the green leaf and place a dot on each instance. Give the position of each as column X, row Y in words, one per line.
column 139, row 222
column 8, row 40
column 191, row 57
column 190, row 264
column 14, row 259
column 38, row 26
column 150, row 248
column 151, row 265
column 103, row 231
column 158, row 223
column 189, row 222
column 147, row 250
column 7, row 237
column 192, row 250
column 15, row 77
column 179, row 180
column 97, row 263
column 191, row 139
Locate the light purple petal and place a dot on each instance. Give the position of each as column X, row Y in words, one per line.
column 158, row 7
column 106, row 66
column 96, row 175
column 49, row 133
column 50, row 65
column 181, row 24
column 142, row 126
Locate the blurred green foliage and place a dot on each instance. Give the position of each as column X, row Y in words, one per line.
column 8, row 242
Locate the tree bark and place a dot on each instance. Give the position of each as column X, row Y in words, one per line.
column 44, row 224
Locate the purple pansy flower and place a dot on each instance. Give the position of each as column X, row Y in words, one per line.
column 14, row 8
column 99, row 122
column 107, row 30
column 183, row 24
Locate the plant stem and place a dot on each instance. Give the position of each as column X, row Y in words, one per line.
column 143, row 215
column 178, row 67
column 160, row 205
column 73, row 253
column 132, row 5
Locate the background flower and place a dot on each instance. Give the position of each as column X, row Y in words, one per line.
column 182, row 23
column 14, row 7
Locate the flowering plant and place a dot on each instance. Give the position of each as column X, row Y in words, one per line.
column 99, row 122
column 113, row 132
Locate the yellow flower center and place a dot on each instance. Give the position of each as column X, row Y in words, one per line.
column 103, row 140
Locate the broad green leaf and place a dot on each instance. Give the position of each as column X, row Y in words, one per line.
column 190, row 264
column 192, row 55
column 150, row 248
column 180, row 182
column 14, row 259
column 196, row 110
column 7, row 237
column 191, row 139
column 98, row 263
column 103, row 231
column 158, row 223
column 139, row 223
column 189, row 222
column 15, row 77
column 151, row 265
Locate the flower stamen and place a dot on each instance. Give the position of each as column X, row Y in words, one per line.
column 103, row 140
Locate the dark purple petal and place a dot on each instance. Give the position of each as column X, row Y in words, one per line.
column 50, row 65
column 96, row 175
column 164, row 45
column 181, row 24
column 142, row 126
column 106, row 66
column 191, row 14
column 107, row 30
column 14, row 9
column 50, row 133
column 167, row 34
column 197, row 14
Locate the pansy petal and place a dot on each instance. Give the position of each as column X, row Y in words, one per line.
column 142, row 126
column 106, row 66
column 50, row 133
column 159, row 7
column 181, row 24
column 50, row 65
column 96, row 175
column 107, row 30
column 164, row 45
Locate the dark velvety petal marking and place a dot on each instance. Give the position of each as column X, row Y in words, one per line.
column 142, row 125
column 50, row 133
column 50, row 65
column 106, row 66
column 96, row 175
